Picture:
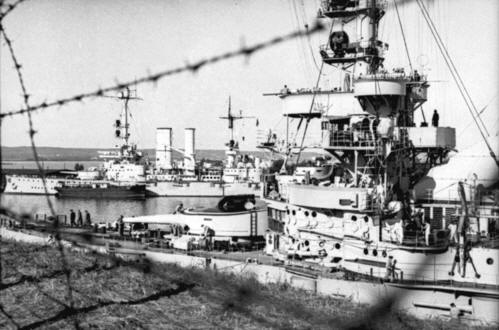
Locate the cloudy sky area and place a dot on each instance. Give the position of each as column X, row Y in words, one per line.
column 68, row 47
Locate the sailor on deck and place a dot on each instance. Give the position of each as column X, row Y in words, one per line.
column 121, row 226
column 88, row 221
column 179, row 208
column 435, row 118
column 72, row 218
column 80, row 219
column 285, row 90
column 427, row 231
column 208, row 234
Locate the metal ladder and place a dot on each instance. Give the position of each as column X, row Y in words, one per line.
column 253, row 223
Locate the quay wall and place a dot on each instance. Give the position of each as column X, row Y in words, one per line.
column 420, row 303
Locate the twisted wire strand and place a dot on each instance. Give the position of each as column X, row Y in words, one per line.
column 41, row 171
column 245, row 51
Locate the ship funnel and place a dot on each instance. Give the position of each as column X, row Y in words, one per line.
column 189, row 157
column 163, row 148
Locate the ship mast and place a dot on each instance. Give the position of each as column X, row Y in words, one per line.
column 126, row 96
column 230, row 119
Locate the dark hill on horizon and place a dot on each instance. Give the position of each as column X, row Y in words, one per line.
column 87, row 154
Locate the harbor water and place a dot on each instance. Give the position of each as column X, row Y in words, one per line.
column 100, row 210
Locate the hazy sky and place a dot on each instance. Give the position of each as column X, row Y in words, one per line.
column 69, row 46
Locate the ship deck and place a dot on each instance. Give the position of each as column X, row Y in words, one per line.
column 311, row 269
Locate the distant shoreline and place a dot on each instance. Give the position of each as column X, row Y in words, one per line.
column 56, row 154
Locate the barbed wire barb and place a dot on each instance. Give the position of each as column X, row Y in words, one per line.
column 187, row 67
column 41, row 171
column 10, row 8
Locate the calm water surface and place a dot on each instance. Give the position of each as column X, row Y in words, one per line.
column 50, row 165
column 101, row 210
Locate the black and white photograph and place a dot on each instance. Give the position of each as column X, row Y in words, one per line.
column 249, row 164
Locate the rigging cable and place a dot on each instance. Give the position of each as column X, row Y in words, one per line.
column 403, row 34
column 449, row 62
column 304, row 17
column 300, row 44
column 469, row 103
column 479, row 113
column 309, row 111
column 311, row 104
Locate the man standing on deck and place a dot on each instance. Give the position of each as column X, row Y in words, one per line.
column 121, row 225
column 435, row 118
column 88, row 221
column 72, row 218
column 80, row 219
column 208, row 234
column 179, row 209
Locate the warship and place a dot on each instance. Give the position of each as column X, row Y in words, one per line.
column 377, row 213
column 240, row 174
column 122, row 175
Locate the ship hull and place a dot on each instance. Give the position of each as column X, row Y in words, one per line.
column 200, row 189
column 32, row 185
column 109, row 192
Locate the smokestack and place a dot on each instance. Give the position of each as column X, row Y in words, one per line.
column 189, row 160
column 163, row 148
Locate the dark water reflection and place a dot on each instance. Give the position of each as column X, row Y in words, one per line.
column 101, row 210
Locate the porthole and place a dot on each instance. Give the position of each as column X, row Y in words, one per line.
column 287, row 211
column 383, row 254
column 366, row 219
column 366, row 251
column 337, row 246
column 314, row 214
column 354, row 218
column 322, row 243
column 293, row 212
column 490, row 261
column 307, row 243
column 306, row 213
column 375, row 252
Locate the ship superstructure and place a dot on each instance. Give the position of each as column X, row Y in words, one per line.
column 240, row 174
column 361, row 216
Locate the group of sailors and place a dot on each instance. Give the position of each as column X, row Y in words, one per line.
column 80, row 220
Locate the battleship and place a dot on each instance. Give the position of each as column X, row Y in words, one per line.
column 369, row 222
column 126, row 167
column 121, row 176
column 239, row 174
column 374, row 215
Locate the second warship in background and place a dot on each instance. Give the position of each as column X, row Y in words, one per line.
column 125, row 173
column 239, row 175
column 122, row 175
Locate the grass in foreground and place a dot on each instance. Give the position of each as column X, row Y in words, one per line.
column 108, row 293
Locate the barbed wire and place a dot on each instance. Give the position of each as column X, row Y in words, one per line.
column 10, row 8
column 32, row 132
column 150, row 78
column 245, row 51
column 28, row 109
